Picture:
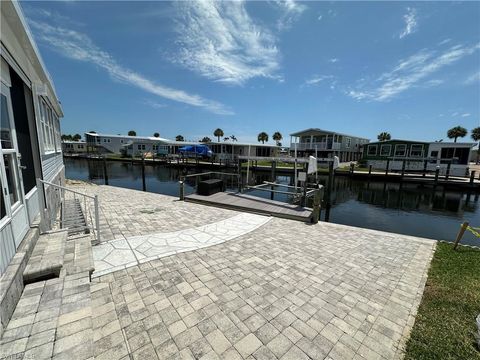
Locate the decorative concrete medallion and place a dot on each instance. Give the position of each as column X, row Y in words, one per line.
column 120, row 254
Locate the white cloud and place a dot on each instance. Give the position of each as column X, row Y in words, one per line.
column 220, row 41
column 317, row 79
column 291, row 11
column 466, row 115
column 333, row 60
column 411, row 72
column 410, row 19
column 78, row 46
column 472, row 79
column 153, row 104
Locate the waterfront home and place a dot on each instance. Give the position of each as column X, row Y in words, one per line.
column 138, row 145
column 231, row 150
column 324, row 143
column 118, row 144
column 74, row 147
column 30, row 134
column 418, row 156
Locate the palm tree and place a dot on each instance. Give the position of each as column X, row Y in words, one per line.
column 226, row 138
column 476, row 137
column 132, row 133
column 277, row 136
column 384, row 136
column 263, row 136
column 206, row 139
column 156, row 134
column 218, row 133
column 456, row 132
column 233, row 137
column 179, row 138
column 76, row 137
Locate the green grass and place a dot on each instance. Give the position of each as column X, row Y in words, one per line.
column 445, row 324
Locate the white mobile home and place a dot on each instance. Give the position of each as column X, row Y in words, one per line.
column 74, row 147
column 30, row 132
column 118, row 144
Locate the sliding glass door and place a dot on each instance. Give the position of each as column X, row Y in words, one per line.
column 14, row 221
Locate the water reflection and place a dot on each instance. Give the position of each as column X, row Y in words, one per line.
column 408, row 209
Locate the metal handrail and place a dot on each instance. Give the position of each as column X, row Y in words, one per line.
column 67, row 189
column 209, row 173
column 46, row 216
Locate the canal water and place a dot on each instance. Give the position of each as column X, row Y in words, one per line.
column 409, row 209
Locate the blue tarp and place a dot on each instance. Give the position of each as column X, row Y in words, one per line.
column 201, row 150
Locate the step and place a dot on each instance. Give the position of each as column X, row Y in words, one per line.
column 47, row 258
column 73, row 218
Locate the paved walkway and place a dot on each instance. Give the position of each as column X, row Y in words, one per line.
column 119, row 254
column 125, row 213
column 284, row 290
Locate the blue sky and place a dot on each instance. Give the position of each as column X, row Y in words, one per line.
column 409, row 68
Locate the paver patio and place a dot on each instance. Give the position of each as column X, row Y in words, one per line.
column 284, row 290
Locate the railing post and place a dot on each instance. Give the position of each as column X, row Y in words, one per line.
column 388, row 165
column 41, row 201
column 472, row 177
column 369, row 169
column 97, row 218
column 447, row 174
column 462, row 230
column 425, row 168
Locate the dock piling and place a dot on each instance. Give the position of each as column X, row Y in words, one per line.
column 472, row 177
column 105, row 174
column 182, row 188
column 144, row 183
column 273, row 178
column 388, row 165
column 437, row 172
column 317, row 198
column 447, row 174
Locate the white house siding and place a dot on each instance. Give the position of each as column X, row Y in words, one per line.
column 53, row 172
column 21, row 54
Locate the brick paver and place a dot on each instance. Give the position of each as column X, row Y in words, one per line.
column 126, row 213
column 286, row 290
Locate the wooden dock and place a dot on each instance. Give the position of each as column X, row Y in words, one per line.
column 253, row 204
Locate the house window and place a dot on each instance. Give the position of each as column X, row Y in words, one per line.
column 141, row 147
column 416, row 150
column 47, row 126
column 400, row 150
column 155, row 147
column 348, row 142
column 385, row 150
column 372, row 150
column 434, row 154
